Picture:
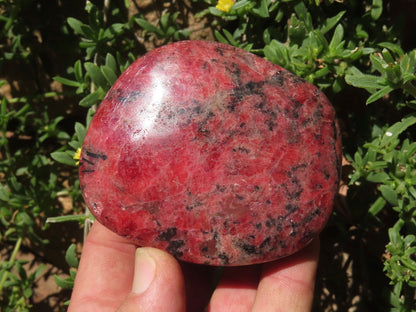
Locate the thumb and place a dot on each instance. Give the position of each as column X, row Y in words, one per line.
column 158, row 283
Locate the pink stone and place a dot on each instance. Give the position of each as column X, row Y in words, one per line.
column 213, row 154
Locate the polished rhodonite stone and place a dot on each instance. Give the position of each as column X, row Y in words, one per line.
column 213, row 154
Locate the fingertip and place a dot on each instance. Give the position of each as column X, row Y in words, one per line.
column 144, row 271
column 289, row 283
column 158, row 283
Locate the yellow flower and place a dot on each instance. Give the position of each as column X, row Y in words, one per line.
column 77, row 155
column 224, row 5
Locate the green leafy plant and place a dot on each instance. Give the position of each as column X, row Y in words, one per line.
column 18, row 284
column 393, row 73
column 167, row 27
column 389, row 163
column 29, row 189
column 30, row 181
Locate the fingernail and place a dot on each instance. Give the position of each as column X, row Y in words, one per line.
column 144, row 271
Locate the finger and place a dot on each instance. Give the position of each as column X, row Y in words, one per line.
column 236, row 290
column 289, row 283
column 158, row 284
column 105, row 272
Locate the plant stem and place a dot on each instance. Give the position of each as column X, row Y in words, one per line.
column 25, row 99
column 87, row 223
column 12, row 258
column 106, row 9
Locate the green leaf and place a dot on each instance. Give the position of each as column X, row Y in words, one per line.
column 110, row 61
column 303, row 15
column 317, row 43
column 109, row 74
column 379, row 94
column 278, row 53
column 62, row 135
column 80, row 131
column 114, row 30
column 76, row 25
column 71, row 256
column 146, row 25
column 262, row 10
column 365, row 81
column 164, row 20
column 392, row 47
column 408, row 63
column 92, row 98
column 336, row 38
column 67, row 82
column 3, row 109
column 394, row 232
column 27, row 293
column 94, row 17
column 96, row 75
column 230, row 37
column 394, row 75
column 174, row 18
column 4, row 193
column 367, row 51
column 22, row 218
column 21, row 271
column 64, row 158
column 88, row 44
column 350, row 55
column 376, row 9
column 220, row 37
column 78, row 71
column 387, row 56
column 64, row 283
column 409, row 240
column 39, row 270
column 75, row 144
column 358, row 160
column 377, row 206
column 389, row 194
column 409, row 263
column 322, row 72
column 360, row 33
column 182, row 33
column 379, row 177
column 329, row 23
column 241, row 6
column 378, row 63
column 412, row 191
column 296, row 30
column 214, row 11
column 395, row 130
column 23, row 111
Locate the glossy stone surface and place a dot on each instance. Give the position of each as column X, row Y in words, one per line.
column 213, row 154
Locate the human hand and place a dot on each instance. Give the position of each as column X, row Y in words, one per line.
column 114, row 276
